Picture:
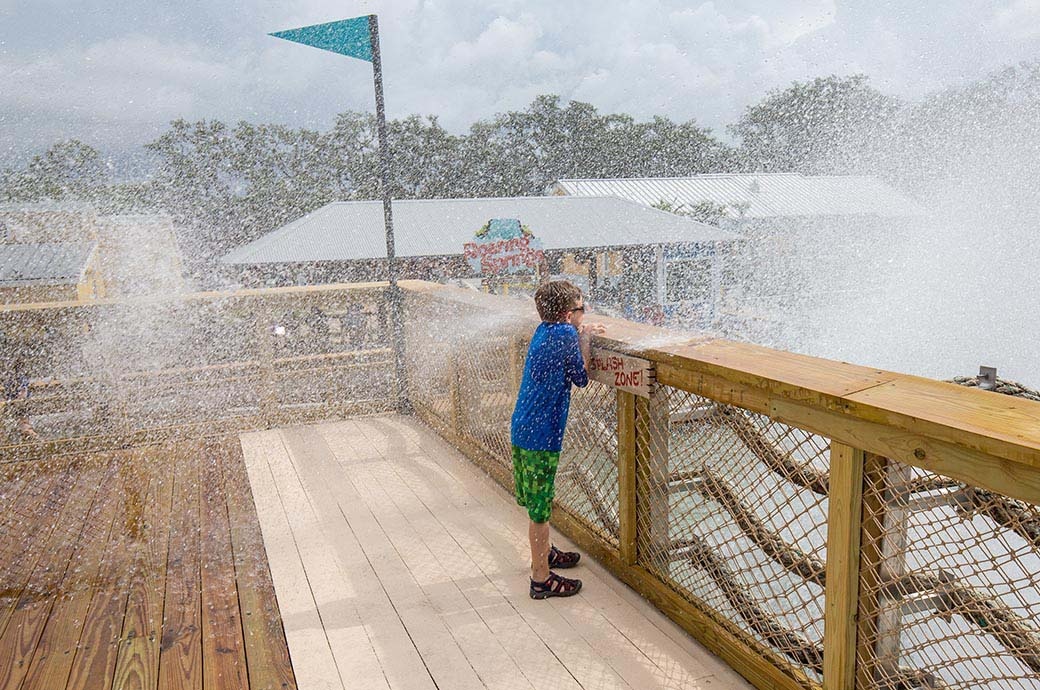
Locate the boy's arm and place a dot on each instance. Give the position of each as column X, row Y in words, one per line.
column 585, row 333
column 585, row 345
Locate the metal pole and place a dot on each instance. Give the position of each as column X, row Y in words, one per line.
column 397, row 326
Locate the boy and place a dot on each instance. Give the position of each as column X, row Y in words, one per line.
column 556, row 360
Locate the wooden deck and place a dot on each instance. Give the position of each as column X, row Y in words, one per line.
column 140, row 568
column 398, row 564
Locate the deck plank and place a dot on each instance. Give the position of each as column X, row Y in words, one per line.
column 147, row 520
column 222, row 643
column 582, row 662
column 395, row 655
column 443, row 660
column 108, row 546
column 313, row 661
column 23, row 533
column 640, row 651
column 52, row 664
column 28, row 618
column 489, row 659
column 266, row 649
column 94, row 665
column 180, row 649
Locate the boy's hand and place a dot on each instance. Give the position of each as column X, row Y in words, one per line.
column 590, row 329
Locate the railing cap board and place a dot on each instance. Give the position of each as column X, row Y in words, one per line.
column 287, row 292
column 1002, row 425
column 995, row 424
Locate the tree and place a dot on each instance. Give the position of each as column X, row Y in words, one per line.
column 830, row 125
column 67, row 170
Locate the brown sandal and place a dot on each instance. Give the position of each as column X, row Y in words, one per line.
column 555, row 586
column 563, row 559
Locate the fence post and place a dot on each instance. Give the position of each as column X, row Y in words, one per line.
column 626, row 464
column 652, row 441
column 455, row 389
column 265, row 333
column 883, row 556
column 844, row 531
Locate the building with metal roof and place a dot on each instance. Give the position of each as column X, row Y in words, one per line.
column 45, row 272
column 354, row 231
column 756, row 195
column 597, row 241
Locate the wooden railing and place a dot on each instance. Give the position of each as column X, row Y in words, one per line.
column 107, row 373
column 815, row 523
column 901, row 540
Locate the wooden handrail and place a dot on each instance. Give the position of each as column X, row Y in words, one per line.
column 968, row 437
column 966, row 433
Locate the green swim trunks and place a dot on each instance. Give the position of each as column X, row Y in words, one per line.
column 534, row 473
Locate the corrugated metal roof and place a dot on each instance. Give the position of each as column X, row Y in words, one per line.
column 760, row 195
column 350, row 231
column 43, row 264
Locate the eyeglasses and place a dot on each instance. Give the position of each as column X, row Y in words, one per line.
column 580, row 308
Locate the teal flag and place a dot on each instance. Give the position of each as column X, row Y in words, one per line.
column 348, row 37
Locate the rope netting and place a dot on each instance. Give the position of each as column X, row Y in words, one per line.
column 732, row 513
column 740, row 496
column 955, row 593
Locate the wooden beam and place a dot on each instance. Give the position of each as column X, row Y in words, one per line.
column 652, row 448
column 842, row 590
column 964, row 464
column 871, row 559
column 626, row 459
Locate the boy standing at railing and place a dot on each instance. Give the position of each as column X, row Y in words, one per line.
column 557, row 359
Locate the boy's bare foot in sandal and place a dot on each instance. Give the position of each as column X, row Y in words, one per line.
column 555, row 586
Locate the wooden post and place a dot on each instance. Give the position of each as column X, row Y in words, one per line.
column 626, row 464
column 844, row 522
column 455, row 390
column 265, row 336
column 891, row 565
column 871, row 559
column 652, row 450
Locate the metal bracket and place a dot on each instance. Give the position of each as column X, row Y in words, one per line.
column 987, row 378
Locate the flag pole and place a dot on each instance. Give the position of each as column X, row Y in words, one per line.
column 397, row 325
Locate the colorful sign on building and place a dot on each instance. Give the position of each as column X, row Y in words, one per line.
column 503, row 245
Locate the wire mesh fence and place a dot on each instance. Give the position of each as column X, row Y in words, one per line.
column 587, row 480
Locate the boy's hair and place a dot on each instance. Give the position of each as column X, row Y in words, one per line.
column 555, row 297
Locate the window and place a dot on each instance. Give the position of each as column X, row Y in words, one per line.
column 688, row 280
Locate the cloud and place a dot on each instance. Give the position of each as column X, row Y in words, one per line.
column 115, row 75
column 1018, row 21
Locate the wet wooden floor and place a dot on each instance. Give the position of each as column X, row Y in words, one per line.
column 398, row 564
column 140, row 568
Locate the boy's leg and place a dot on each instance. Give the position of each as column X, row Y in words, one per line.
column 538, row 534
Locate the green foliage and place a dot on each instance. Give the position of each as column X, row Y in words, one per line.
column 831, row 125
column 706, row 211
column 67, row 170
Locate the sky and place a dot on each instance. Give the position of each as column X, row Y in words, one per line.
column 114, row 73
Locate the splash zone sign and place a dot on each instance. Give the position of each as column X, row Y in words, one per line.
column 623, row 372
